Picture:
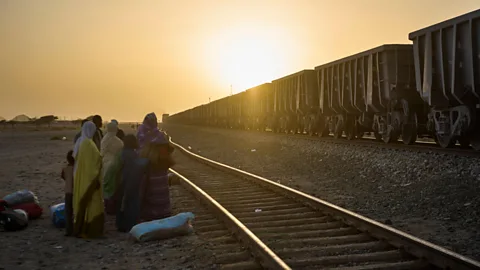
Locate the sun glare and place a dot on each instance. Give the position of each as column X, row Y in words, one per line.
column 244, row 58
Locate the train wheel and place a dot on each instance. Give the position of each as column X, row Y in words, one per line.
column 390, row 136
column 393, row 128
column 445, row 141
column 338, row 132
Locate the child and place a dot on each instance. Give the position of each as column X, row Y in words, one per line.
column 67, row 175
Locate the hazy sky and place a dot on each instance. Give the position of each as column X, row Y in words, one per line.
column 124, row 59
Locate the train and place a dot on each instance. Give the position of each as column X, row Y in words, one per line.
column 427, row 89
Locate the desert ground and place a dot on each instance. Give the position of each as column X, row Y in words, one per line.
column 32, row 160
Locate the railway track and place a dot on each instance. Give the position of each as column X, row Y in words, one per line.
column 229, row 253
column 287, row 229
column 419, row 146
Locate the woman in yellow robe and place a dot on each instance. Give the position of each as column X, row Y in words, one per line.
column 87, row 194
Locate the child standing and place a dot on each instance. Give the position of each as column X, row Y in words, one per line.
column 67, row 175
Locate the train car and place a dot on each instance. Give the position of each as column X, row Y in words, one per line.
column 263, row 113
column 447, row 70
column 295, row 102
column 221, row 112
column 248, row 107
column 195, row 115
column 257, row 107
column 371, row 91
column 236, row 114
column 203, row 115
column 184, row 117
column 211, row 112
column 429, row 89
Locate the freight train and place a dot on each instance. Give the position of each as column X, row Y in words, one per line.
column 430, row 88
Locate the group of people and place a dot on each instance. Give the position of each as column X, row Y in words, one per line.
column 116, row 174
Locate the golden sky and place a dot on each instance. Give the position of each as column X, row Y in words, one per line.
column 123, row 59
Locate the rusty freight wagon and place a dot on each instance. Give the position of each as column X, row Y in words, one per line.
column 235, row 111
column 196, row 115
column 371, row 91
column 248, row 107
column 257, row 107
column 295, row 102
column 217, row 113
column 447, row 69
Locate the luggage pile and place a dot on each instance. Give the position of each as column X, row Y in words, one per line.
column 17, row 209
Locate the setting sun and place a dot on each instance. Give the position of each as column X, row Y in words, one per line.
column 246, row 56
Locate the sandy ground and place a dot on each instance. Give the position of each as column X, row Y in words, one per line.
column 434, row 197
column 31, row 160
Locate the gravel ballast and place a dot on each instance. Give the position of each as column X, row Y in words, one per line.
column 431, row 196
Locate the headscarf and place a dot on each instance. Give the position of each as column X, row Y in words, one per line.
column 110, row 142
column 148, row 132
column 150, row 120
column 112, row 128
column 120, row 133
column 88, row 131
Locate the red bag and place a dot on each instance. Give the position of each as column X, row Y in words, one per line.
column 33, row 210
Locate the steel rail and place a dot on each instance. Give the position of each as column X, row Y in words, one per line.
column 211, row 229
column 431, row 253
column 267, row 258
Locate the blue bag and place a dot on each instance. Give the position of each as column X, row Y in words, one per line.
column 20, row 197
column 58, row 215
column 163, row 228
